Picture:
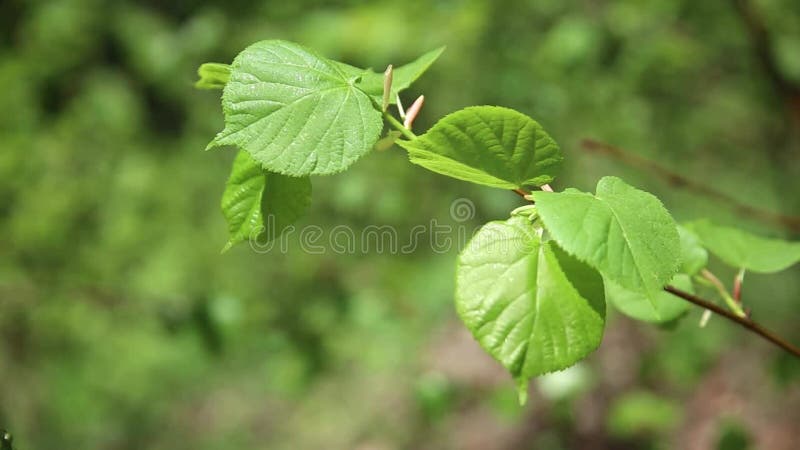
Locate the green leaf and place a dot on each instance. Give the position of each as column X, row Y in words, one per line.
column 530, row 305
column 488, row 145
column 371, row 82
column 693, row 256
column 213, row 76
column 664, row 308
column 260, row 204
column 741, row 249
column 623, row 232
column 295, row 112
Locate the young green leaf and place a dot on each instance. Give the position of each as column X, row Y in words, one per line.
column 530, row 305
column 295, row 112
column 488, row 145
column 664, row 308
column 260, row 204
column 741, row 249
column 693, row 256
column 213, row 76
column 371, row 82
column 623, row 232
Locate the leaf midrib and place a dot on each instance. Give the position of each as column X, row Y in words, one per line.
column 287, row 105
column 647, row 292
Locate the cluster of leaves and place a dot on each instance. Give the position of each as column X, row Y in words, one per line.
column 294, row 114
column 532, row 289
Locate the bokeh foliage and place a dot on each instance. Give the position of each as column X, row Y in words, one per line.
column 122, row 326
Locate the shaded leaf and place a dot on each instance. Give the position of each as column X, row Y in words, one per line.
column 5, row 440
column 295, row 112
column 488, row 145
column 642, row 412
column 663, row 307
column 693, row 256
column 741, row 249
column 260, row 204
column 387, row 141
column 732, row 435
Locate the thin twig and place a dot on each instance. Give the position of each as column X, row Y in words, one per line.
column 737, row 286
column 743, row 321
column 791, row 223
column 399, row 126
column 723, row 292
column 762, row 42
column 520, row 192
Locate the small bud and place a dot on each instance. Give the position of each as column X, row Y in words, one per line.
column 413, row 111
column 704, row 318
column 387, row 86
column 546, row 188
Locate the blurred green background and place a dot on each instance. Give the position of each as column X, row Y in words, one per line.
column 122, row 326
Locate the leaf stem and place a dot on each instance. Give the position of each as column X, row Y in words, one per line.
column 723, row 292
column 741, row 320
column 737, row 286
column 398, row 126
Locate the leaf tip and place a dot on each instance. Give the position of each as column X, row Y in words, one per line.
column 227, row 247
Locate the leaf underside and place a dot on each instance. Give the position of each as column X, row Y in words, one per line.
column 694, row 257
column 665, row 308
column 260, row 205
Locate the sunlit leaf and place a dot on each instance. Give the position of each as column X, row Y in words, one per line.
column 741, row 249
column 530, row 305
column 295, row 112
column 213, row 76
column 488, row 145
column 371, row 82
column 623, row 232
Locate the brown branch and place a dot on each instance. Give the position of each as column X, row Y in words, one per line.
column 791, row 223
column 762, row 47
column 520, row 192
column 743, row 321
column 786, row 89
